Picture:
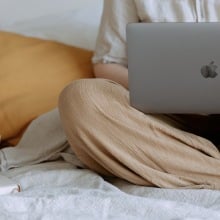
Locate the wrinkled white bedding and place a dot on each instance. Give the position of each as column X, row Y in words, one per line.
column 53, row 188
column 57, row 190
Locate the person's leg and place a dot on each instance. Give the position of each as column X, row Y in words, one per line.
column 112, row 138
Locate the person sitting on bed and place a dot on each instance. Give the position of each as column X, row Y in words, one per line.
column 114, row 139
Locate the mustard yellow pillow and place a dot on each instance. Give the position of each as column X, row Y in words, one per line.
column 32, row 74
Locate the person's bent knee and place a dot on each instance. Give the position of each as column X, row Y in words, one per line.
column 72, row 96
column 80, row 97
column 87, row 98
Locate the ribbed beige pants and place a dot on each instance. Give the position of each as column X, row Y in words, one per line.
column 114, row 139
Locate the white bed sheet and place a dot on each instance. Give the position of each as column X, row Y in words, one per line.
column 57, row 190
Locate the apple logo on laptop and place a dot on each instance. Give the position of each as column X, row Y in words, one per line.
column 209, row 71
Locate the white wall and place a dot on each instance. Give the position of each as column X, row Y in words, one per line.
column 19, row 10
column 73, row 22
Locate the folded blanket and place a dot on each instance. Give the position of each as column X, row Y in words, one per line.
column 44, row 140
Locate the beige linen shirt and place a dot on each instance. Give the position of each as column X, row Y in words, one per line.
column 111, row 41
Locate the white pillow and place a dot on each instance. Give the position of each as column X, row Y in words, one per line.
column 78, row 27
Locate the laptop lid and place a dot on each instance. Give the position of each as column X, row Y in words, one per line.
column 174, row 67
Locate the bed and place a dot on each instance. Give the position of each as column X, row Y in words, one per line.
column 53, row 184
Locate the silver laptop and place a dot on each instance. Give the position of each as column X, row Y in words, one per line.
column 174, row 67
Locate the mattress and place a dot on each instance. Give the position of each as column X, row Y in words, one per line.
column 59, row 189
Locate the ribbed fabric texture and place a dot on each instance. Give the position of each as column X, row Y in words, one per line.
column 112, row 138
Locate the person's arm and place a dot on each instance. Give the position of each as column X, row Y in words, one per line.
column 110, row 57
column 112, row 71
